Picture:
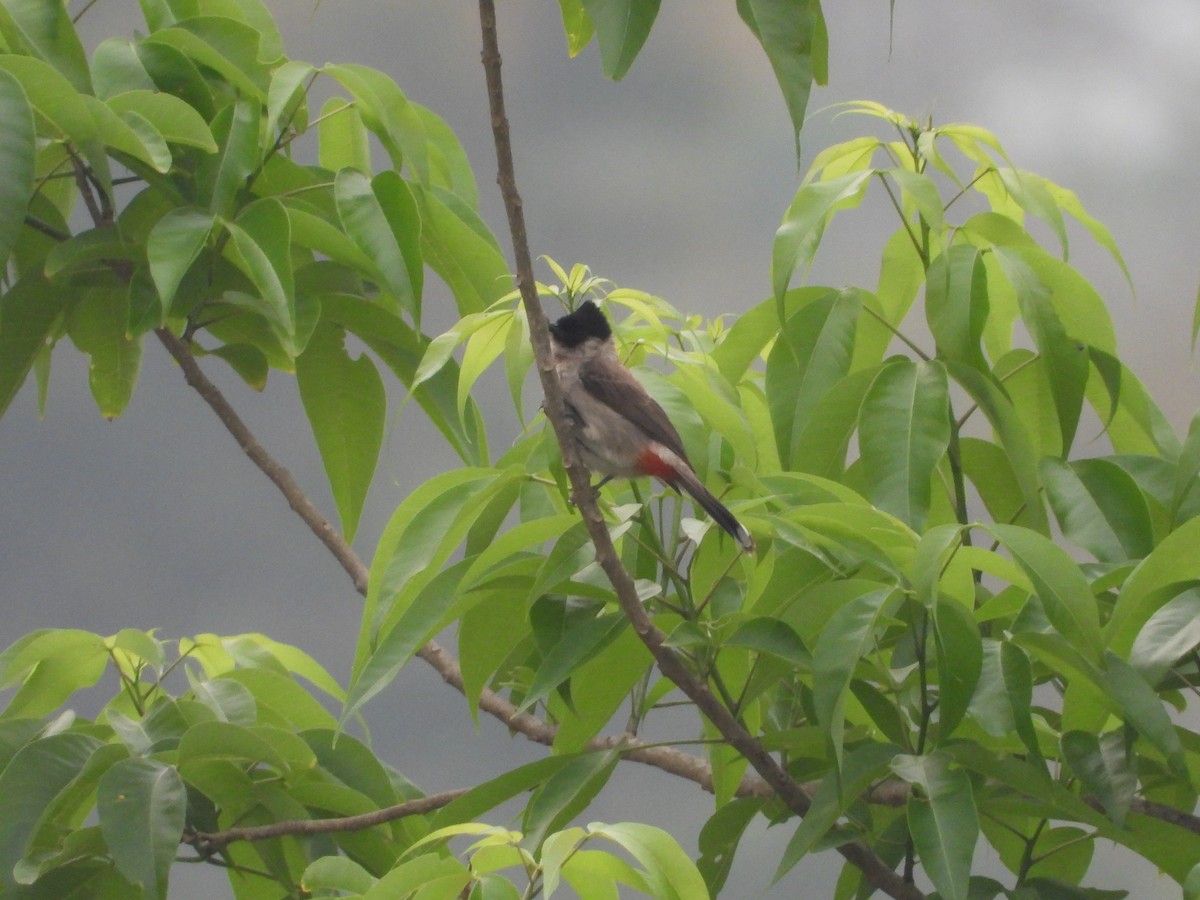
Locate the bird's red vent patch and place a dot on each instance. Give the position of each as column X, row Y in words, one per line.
column 651, row 463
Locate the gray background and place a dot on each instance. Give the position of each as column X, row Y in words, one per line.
column 673, row 182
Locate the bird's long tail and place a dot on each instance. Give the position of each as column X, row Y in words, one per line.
column 687, row 481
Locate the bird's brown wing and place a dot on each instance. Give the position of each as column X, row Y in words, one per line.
column 620, row 391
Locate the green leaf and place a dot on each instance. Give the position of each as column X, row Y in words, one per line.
column 48, row 33
column 811, row 355
column 458, row 246
column 98, row 328
column 1058, row 583
column 336, row 873
column 960, row 662
column 1171, row 632
column 261, row 248
column 1173, row 562
column 174, row 119
column 774, row 637
column 346, row 405
column 207, row 741
column 804, row 223
column 29, row 313
column 142, row 804
column 174, row 244
column 1105, row 767
column 228, row 47
column 342, row 137
column 286, row 97
column 17, row 155
column 381, row 218
column 849, row 633
column 719, row 839
column 956, row 304
column 1020, row 455
column 389, row 114
column 567, row 793
column 943, row 821
column 794, row 38
column 622, row 27
column 669, row 871
column 1099, row 507
column 222, row 175
column 1142, row 708
column 577, row 25
column 1064, row 356
column 576, row 646
column 36, row 774
column 864, row 766
column 904, row 429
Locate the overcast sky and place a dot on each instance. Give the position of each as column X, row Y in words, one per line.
column 672, row 181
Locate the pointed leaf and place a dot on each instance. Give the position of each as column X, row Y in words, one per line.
column 1103, row 764
column 1142, row 708
column 956, row 304
column 173, row 245
column 567, row 793
column 943, row 821
column 794, row 38
column 1171, row 632
column 346, row 405
column 849, row 633
column 379, row 216
column 622, row 27
column 29, row 311
column 225, row 173
column 174, row 119
column 904, row 429
column 804, row 223
column 1059, row 584
column 811, row 355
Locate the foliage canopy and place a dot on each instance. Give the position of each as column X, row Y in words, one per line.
column 957, row 628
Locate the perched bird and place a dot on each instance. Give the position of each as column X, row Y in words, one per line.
column 622, row 432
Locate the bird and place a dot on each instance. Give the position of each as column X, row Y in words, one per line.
column 620, row 430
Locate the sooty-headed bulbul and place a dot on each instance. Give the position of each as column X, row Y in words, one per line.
column 621, row 431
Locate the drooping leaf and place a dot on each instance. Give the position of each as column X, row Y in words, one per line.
column 811, row 355
column 1058, row 582
column 956, row 304
column 1105, row 766
column 849, row 633
column 943, row 821
column 342, row 137
column 346, row 405
column 1142, row 708
column 577, row 25
column 98, row 328
column 142, row 803
column 29, row 311
column 1171, row 632
column 173, row 245
column 622, row 27
column 1173, row 562
column 567, row 793
column 960, row 662
column 719, row 839
column 389, row 114
column 458, row 246
column 794, row 38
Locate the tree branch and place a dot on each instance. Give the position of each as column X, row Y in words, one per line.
column 211, row 842
column 873, row 868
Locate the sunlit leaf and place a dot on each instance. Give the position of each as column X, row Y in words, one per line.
column 804, row 223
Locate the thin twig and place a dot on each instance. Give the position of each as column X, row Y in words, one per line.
column 211, row 842
column 791, row 793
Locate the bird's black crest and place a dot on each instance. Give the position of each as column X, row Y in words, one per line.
column 586, row 322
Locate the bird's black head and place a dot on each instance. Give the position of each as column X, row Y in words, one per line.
column 586, row 322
